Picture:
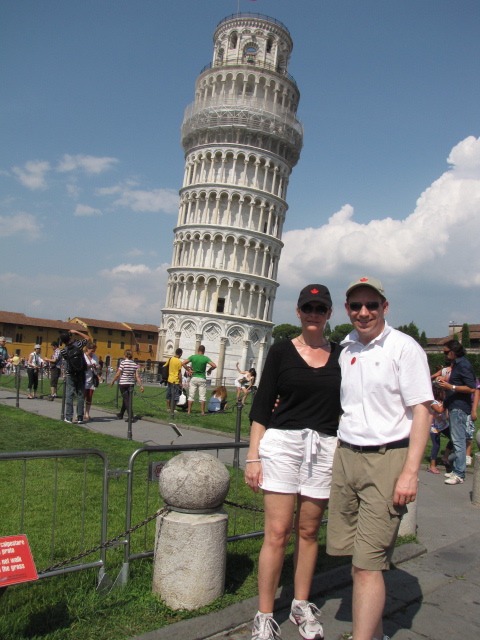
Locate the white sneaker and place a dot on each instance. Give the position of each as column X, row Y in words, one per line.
column 265, row 628
column 454, row 480
column 450, row 474
column 468, row 461
column 304, row 614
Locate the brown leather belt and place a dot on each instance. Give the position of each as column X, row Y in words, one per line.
column 398, row 444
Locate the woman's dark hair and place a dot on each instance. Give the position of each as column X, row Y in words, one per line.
column 456, row 347
column 252, row 372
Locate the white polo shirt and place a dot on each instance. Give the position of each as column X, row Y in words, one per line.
column 381, row 381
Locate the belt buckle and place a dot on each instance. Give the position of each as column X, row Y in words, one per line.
column 382, row 449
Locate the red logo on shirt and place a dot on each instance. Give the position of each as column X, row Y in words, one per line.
column 353, row 360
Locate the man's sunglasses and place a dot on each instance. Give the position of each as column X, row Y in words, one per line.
column 371, row 306
column 314, row 308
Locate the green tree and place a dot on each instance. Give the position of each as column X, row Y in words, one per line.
column 465, row 336
column 340, row 331
column 411, row 330
column 285, row 332
column 423, row 339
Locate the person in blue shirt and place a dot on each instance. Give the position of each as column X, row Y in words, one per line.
column 458, row 401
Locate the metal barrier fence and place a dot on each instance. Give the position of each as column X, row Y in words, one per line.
column 85, row 490
column 46, row 529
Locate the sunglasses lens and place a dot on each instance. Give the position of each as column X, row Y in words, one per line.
column 370, row 306
column 309, row 308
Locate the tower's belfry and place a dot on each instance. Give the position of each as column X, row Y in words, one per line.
column 241, row 140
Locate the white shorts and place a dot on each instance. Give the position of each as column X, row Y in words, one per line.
column 297, row 461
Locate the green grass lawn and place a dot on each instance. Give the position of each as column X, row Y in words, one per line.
column 69, row 606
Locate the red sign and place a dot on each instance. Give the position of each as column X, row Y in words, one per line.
column 16, row 561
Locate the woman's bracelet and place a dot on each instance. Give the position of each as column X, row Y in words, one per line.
column 257, row 460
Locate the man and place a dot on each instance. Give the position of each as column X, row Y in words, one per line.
column 174, row 381
column 74, row 373
column 386, row 392
column 4, row 358
column 55, row 363
column 198, row 366
column 460, row 386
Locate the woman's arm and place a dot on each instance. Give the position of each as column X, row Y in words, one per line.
column 116, row 376
column 253, row 466
column 139, row 380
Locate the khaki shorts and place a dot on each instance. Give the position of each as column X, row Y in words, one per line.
column 362, row 520
column 201, row 385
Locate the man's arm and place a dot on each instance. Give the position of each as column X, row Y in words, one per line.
column 79, row 333
column 476, row 397
column 459, row 388
column 407, row 483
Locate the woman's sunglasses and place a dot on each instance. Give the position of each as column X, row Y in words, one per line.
column 314, row 308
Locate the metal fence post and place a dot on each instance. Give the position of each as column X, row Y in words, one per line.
column 238, row 430
column 130, row 412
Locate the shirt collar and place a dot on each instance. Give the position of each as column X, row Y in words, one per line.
column 353, row 336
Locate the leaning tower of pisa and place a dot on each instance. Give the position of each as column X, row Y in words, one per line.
column 241, row 139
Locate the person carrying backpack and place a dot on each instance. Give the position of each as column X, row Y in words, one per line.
column 75, row 368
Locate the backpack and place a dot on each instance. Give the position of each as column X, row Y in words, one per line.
column 164, row 371
column 76, row 363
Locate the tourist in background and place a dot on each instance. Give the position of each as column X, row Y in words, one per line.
column 91, row 377
column 197, row 365
column 127, row 374
column 459, row 388
column 174, row 380
column 34, row 364
column 55, row 363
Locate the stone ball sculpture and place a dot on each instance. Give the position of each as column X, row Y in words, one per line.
column 194, row 480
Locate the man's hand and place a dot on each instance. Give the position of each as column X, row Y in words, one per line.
column 405, row 489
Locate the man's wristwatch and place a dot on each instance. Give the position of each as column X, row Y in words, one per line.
column 453, row 387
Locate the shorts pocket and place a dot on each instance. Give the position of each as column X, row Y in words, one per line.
column 396, row 509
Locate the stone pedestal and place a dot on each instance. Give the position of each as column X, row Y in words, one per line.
column 191, row 541
column 408, row 525
column 476, row 479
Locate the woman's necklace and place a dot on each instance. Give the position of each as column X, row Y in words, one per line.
column 324, row 344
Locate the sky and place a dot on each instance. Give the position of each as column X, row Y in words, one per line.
column 388, row 182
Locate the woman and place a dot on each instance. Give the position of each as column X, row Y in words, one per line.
column 244, row 383
column 218, row 400
column 91, row 376
column 128, row 373
column 290, row 457
column 34, row 364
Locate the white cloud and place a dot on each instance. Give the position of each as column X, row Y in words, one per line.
column 442, row 231
column 73, row 190
column 84, row 210
column 89, row 164
column 126, row 270
column 156, row 200
column 52, row 295
column 33, row 174
column 22, row 224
